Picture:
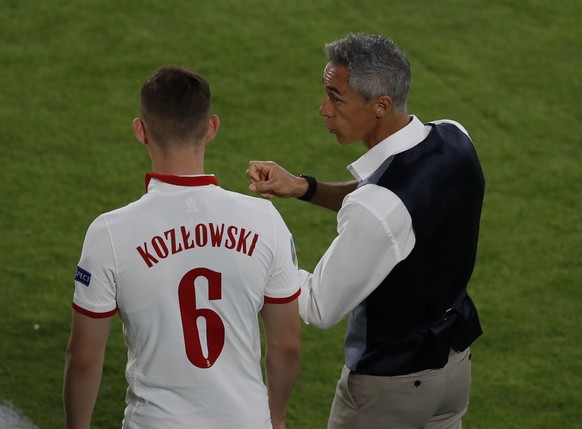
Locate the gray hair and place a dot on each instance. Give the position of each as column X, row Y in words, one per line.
column 377, row 67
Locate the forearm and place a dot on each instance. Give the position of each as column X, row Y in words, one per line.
column 328, row 195
column 269, row 180
column 80, row 391
column 282, row 370
column 331, row 194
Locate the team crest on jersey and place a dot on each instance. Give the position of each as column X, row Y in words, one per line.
column 294, row 253
column 82, row 276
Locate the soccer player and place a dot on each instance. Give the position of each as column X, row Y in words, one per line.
column 188, row 267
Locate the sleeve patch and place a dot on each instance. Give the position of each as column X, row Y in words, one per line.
column 294, row 253
column 82, row 276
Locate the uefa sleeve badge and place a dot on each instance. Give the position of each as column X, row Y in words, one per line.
column 294, row 253
column 82, row 276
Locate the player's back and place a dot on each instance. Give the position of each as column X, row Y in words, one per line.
column 193, row 265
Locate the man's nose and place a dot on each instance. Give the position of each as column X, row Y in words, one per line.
column 325, row 108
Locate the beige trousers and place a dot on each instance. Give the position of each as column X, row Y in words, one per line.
column 430, row 399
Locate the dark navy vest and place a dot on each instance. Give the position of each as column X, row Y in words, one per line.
column 422, row 309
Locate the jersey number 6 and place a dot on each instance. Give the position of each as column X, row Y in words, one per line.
column 190, row 314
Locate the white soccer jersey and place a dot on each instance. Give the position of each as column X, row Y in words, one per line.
column 188, row 267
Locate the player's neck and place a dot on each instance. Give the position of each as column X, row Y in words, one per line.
column 179, row 162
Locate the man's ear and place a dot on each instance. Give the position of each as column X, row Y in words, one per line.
column 140, row 131
column 383, row 106
column 213, row 125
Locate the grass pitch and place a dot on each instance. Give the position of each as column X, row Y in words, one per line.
column 508, row 70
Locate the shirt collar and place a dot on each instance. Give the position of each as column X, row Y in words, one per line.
column 198, row 180
column 402, row 140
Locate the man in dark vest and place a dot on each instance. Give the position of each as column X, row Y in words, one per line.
column 406, row 246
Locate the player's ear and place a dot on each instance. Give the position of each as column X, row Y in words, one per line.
column 213, row 125
column 383, row 106
column 140, row 131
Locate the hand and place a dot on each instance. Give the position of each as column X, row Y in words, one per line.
column 269, row 180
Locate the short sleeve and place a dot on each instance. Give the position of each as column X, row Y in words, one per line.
column 282, row 285
column 95, row 289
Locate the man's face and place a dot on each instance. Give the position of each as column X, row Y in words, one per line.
column 345, row 112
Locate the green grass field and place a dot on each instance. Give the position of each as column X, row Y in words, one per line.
column 508, row 70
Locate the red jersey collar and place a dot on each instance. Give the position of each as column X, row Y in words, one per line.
column 203, row 180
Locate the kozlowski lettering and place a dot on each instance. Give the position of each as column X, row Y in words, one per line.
column 177, row 240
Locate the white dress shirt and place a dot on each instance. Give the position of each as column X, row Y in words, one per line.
column 374, row 234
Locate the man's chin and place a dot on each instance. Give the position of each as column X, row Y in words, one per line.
column 338, row 136
column 343, row 140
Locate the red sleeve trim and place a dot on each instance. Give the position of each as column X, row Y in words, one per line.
column 285, row 300
column 92, row 314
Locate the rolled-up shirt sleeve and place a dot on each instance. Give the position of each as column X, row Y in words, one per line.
column 374, row 234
